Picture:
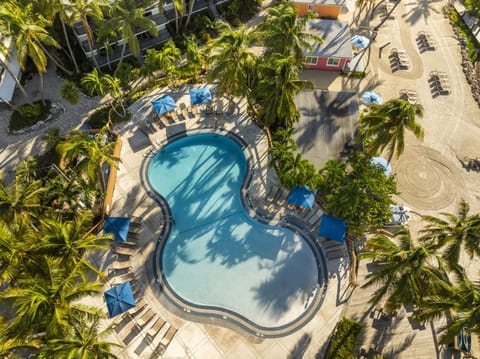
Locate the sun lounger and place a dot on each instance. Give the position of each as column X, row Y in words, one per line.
column 209, row 108
column 124, row 251
column 122, row 279
column 119, row 266
column 173, row 116
column 164, row 342
column 146, row 317
column 219, row 107
column 155, row 329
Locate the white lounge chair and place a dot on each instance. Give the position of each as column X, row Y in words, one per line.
column 155, row 329
column 124, row 251
column 146, row 317
column 164, row 342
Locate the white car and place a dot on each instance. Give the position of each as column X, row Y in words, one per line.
column 400, row 216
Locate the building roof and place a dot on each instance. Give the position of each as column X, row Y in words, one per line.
column 7, row 83
column 337, row 40
column 320, row 2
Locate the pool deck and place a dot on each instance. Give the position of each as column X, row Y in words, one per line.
column 194, row 339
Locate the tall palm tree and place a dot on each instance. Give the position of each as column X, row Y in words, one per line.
column 405, row 273
column 67, row 239
column 384, row 126
column 87, row 155
column 283, row 32
column 278, row 85
column 84, row 342
column 30, row 36
column 96, row 84
column 89, row 9
column 460, row 305
column 126, row 18
column 233, row 64
column 454, row 233
column 48, row 301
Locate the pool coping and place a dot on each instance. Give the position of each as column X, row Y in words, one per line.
column 215, row 315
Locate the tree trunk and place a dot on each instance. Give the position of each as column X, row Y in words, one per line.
column 72, row 55
column 15, row 78
column 88, row 31
column 42, row 94
column 350, row 242
column 375, row 29
column 124, row 47
column 190, row 10
column 51, row 57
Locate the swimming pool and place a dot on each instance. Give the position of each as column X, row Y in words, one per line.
column 216, row 255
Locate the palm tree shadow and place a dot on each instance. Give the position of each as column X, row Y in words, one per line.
column 422, row 10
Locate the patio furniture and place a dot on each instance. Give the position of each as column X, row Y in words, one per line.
column 219, row 107
column 164, row 342
column 122, row 279
column 231, row 108
column 115, row 266
column 184, row 111
column 209, row 108
column 146, row 317
column 173, row 116
column 163, row 120
column 409, row 95
column 124, row 251
column 155, row 329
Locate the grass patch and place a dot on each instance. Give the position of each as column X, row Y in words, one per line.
column 28, row 115
column 465, row 31
column 100, row 117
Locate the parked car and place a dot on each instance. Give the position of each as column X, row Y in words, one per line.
column 400, row 216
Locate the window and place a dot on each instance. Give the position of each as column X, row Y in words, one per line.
column 333, row 62
column 311, row 60
column 311, row 7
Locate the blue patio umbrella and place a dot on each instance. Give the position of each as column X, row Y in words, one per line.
column 332, row 228
column 119, row 299
column 118, row 226
column 360, row 41
column 383, row 164
column 200, row 95
column 164, row 104
column 302, row 196
column 370, row 97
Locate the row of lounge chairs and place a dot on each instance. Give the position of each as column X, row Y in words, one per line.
column 425, row 41
column 439, row 82
column 399, row 58
column 409, row 95
column 139, row 317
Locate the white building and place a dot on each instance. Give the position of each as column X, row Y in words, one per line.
column 7, row 82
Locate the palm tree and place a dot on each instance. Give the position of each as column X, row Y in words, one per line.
column 232, row 62
column 279, row 83
column 89, row 9
column 126, row 18
column 95, row 84
column 283, row 32
column 30, row 36
column 48, row 301
column 69, row 92
column 405, row 273
column 67, row 239
column 87, row 155
column 84, row 342
column 454, row 233
column 384, row 126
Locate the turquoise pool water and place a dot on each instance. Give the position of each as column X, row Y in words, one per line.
column 216, row 255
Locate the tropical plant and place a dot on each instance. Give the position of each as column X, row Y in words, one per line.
column 342, row 344
column 405, row 274
column 283, row 32
column 70, row 92
column 126, row 18
column 276, row 90
column 384, row 126
column 84, row 342
column 87, row 155
column 48, row 300
column 360, row 195
column 454, row 233
column 233, row 64
column 460, row 305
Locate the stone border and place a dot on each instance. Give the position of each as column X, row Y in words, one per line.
column 56, row 111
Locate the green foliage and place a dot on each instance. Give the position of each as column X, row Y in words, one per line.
column 465, row 31
column 358, row 193
column 28, row 115
column 70, row 92
column 51, row 137
column 345, row 338
column 102, row 116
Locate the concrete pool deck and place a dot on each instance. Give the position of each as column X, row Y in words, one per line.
column 202, row 340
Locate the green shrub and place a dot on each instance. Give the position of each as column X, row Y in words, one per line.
column 344, row 340
column 28, row 115
column 100, row 117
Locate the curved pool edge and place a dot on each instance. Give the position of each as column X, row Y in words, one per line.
column 221, row 316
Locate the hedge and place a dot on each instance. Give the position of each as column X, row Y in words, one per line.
column 344, row 340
